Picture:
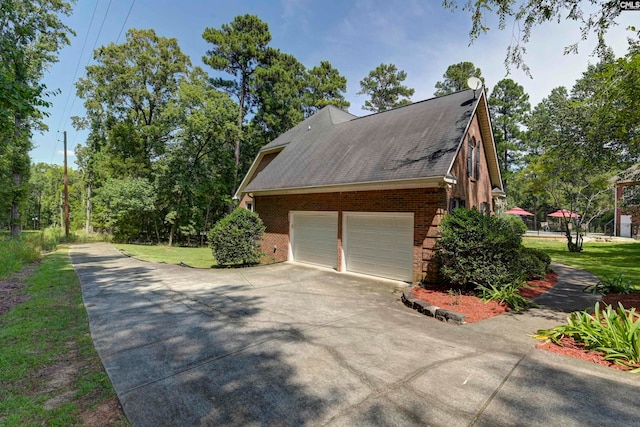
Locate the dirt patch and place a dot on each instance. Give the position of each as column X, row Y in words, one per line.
column 107, row 413
column 11, row 293
column 473, row 307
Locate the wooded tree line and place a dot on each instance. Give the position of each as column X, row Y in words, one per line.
column 169, row 142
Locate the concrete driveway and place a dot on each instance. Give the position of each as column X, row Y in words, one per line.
column 294, row 345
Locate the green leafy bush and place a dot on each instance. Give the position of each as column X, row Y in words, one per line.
column 540, row 254
column 515, row 222
column 615, row 332
column 617, row 284
column 235, row 239
column 531, row 266
column 508, row 294
column 478, row 250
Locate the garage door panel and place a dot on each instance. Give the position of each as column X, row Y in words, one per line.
column 380, row 245
column 315, row 238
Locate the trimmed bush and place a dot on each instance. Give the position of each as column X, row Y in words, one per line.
column 540, row 254
column 516, row 223
column 531, row 266
column 479, row 250
column 235, row 239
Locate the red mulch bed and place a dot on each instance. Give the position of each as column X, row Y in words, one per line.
column 628, row 301
column 473, row 307
column 576, row 350
column 476, row 310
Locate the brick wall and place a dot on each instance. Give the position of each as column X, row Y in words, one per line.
column 472, row 191
column 427, row 204
column 634, row 211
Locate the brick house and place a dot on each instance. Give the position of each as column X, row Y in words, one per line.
column 627, row 198
column 366, row 194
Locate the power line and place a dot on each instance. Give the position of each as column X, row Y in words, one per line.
column 95, row 43
column 75, row 74
column 125, row 20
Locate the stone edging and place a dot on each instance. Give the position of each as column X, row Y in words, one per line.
column 431, row 310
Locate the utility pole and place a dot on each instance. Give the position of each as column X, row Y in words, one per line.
column 66, row 189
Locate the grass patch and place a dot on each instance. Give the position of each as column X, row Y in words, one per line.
column 14, row 255
column 50, row 373
column 604, row 260
column 194, row 257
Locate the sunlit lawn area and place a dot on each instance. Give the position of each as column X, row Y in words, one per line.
column 50, row 373
column 193, row 257
column 600, row 259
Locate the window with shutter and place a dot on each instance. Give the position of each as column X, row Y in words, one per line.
column 470, row 157
column 477, row 170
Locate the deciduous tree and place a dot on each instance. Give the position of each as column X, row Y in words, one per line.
column 593, row 17
column 31, row 34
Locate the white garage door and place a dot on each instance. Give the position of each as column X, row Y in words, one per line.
column 380, row 244
column 315, row 238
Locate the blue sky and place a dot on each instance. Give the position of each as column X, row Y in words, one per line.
column 420, row 37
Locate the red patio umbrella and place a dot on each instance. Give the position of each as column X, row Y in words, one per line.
column 518, row 211
column 563, row 213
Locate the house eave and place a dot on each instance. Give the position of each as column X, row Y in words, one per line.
column 252, row 169
column 433, row 182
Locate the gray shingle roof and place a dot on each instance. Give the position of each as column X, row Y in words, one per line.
column 334, row 147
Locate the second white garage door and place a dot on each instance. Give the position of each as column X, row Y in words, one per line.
column 379, row 244
column 315, row 238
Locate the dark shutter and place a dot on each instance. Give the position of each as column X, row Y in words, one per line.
column 478, row 160
column 469, row 158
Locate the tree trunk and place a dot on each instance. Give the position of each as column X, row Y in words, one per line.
column 87, row 225
column 236, row 153
column 172, row 232
column 15, row 210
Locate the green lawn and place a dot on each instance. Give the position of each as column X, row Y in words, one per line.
column 50, row 373
column 600, row 259
column 193, row 257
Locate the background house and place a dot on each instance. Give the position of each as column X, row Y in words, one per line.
column 627, row 198
column 366, row 194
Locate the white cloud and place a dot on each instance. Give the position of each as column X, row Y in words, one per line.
column 70, row 153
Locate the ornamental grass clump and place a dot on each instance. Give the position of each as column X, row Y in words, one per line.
column 508, row 294
column 614, row 332
column 616, row 284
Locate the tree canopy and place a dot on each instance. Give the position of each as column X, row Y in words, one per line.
column 509, row 107
column 456, row 76
column 385, row 89
column 594, row 18
column 31, row 34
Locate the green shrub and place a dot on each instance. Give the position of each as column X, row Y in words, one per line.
column 508, row 294
column 540, row 254
column 531, row 266
column 516, row 223
column 478, row 250
column 618, row 284
column 235, row 239
column 615, row 332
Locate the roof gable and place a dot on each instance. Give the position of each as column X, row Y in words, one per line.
column 333, row 148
